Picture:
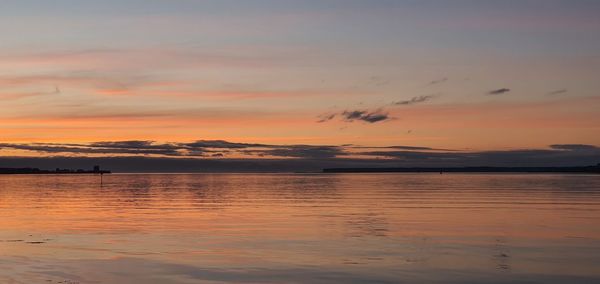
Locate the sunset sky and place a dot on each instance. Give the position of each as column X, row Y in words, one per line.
column 299, row 79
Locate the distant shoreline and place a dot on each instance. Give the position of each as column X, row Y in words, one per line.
column 36, row 171
column 573, row 170
column 583, row 169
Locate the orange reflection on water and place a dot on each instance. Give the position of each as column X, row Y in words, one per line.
column 299, row 228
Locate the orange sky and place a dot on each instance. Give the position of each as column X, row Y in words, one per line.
column 501, row 77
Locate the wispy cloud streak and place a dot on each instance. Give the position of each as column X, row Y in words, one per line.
column 558, row 92
column 438, row 81
column 498, row 91
column 415, row 100
column 368, row 116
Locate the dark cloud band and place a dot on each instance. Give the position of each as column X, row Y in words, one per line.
column 301, row 157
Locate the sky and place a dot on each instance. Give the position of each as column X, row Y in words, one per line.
column 377, row 82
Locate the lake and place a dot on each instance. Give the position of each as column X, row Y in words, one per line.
column 300, row 228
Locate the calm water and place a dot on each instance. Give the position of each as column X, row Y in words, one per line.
column 296, row 228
